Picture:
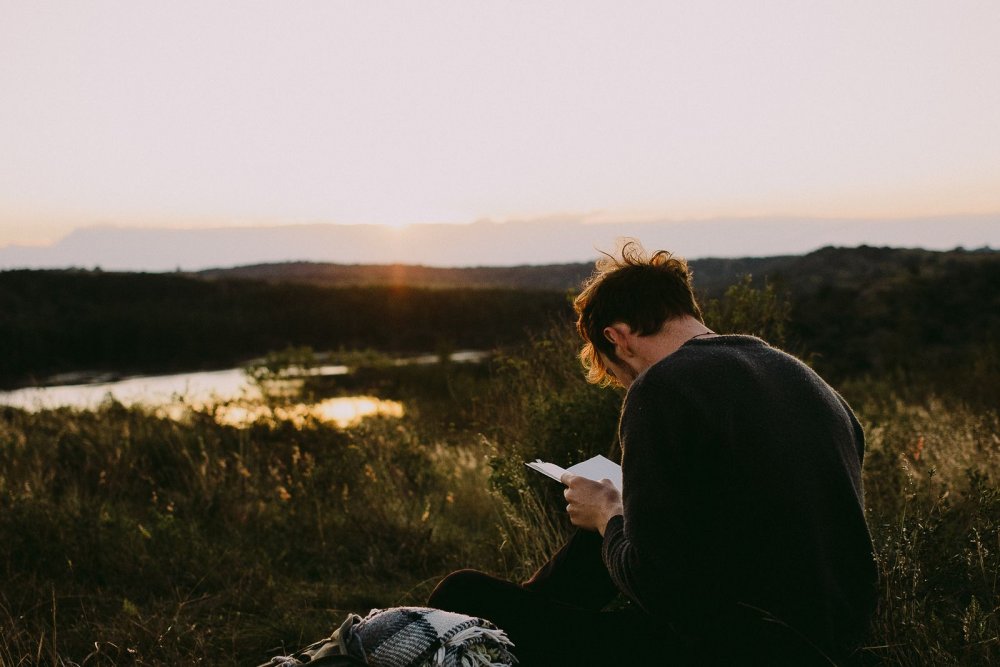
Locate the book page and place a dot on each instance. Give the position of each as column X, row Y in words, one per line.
column 598, row 468
column 548, row 469
column 595, row 468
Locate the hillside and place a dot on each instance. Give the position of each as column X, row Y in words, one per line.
column 853, row 311
column 543, row 277
column 827, row 268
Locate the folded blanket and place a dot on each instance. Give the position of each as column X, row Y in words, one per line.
column 409, row 637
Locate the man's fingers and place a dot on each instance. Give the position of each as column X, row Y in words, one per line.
column 569, row 479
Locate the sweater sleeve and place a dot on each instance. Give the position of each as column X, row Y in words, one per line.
column 654, row 552
column 859, row 432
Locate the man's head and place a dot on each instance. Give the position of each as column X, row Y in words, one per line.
column 635, row 289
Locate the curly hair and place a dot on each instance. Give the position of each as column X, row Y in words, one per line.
column 636, row 289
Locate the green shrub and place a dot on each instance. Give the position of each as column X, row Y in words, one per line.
column 745, row 309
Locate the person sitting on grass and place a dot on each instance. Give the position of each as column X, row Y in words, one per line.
column 739, row 536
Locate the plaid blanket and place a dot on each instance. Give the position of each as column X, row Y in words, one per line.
column 408, row 637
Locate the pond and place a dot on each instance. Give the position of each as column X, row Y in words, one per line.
column 231, row 395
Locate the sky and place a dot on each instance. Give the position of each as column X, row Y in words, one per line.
column 225, row 114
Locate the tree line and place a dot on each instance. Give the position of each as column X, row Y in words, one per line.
column 56, row 321
column 921, row 315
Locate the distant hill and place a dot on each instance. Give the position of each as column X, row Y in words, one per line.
column 853, row 311
column 711, row 275
column 828, row 267
column 545, row 277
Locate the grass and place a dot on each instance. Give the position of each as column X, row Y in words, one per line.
column 934, row 511
column 128, row 538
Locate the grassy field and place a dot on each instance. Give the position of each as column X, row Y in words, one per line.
column 127, row 538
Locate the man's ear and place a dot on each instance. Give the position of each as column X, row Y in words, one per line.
column 617, row 334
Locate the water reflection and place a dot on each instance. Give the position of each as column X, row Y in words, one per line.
column 231, row 396
column 342, row 411
column 151, row 390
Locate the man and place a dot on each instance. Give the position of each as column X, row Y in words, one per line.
column 739, row 536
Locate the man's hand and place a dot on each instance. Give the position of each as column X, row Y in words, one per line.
column 591, row 504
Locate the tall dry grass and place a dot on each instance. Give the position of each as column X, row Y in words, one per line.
column 127, row 538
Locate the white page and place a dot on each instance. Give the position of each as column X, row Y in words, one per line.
column 548, row 469
column 598, row 468
column 595, row 468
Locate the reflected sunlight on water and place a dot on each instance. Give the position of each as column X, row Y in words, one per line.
column 345, row 411
column 228, row 394
column 151, row 390
column 342, row 411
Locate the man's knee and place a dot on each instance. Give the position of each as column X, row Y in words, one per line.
column 461, row 591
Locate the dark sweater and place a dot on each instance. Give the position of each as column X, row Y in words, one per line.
column 743, row 497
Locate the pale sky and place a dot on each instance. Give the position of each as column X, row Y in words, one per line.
column 261, row 113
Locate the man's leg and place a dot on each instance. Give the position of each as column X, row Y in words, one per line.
column 555, row 617
column 576, row 574
column 549, row 633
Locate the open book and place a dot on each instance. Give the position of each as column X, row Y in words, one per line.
column 596, row 468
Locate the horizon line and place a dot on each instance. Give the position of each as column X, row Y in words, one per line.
column 592, row 218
